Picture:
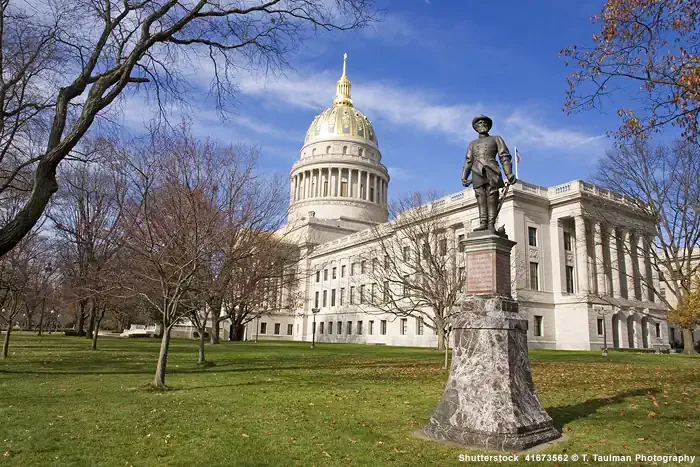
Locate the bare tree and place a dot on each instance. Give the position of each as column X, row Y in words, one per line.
column 65, row 62
column 169, row 224
column 661, row 184
column 86, row 216
column 414, row 269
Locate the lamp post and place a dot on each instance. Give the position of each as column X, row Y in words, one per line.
column 313, row 328
column 257, row 327
column 601, row 312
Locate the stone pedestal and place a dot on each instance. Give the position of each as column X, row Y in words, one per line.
column 490, row 401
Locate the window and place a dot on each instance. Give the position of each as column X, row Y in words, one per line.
column 320, row 327
column 442, row 246
column 382, row 327
column 600, row 324
column 419, row 326
column 673, row 334
column 567, row 241
column 325, row 298
column 330, row 327
column 371, row 193
column 290, row 329
column 372, row 292
column 359, row 327
column 538, row 326
column 662, row 292
column 658, row 329
column 362, row 294
column 325, row 188
column 386, row 261
column 534, row 282
column 352, row 294
column 569, row 279
column 297, row 329
column 325, row 274
column 345, row 149
column 374, row 265
column 405, row 286
column 348, row 330
column 344, row 188
column 371, row 328
column 332, row 297
column 342, row 295
column 406, row 253
column 333, row 276
column 328, row 149
column 342, row 271
column 460, row 242
column 386, row 292
column 426, row 250
column 462, row 273
column 316, row 300
column 318, row 276
column 404, row 326
column 339, row 327
column 277, row 328
column 363, row 263
column 263, row 328
column 352, row 269
column 532, row 236
column 662, row 278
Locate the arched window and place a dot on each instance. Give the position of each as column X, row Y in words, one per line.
column 359, row 152
column 328, row 150
column 345, row 149
column 313, row 152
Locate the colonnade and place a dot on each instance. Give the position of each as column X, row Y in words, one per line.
column 613, row 261
column 339, row 182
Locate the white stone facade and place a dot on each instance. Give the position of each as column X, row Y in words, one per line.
column 568, row 274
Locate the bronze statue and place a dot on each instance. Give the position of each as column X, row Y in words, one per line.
column 481, row 163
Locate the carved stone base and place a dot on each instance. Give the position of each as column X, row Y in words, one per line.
column 490, row 401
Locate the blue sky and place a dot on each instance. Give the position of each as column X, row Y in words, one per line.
column 420, row 76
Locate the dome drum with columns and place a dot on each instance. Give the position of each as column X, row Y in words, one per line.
column 340, row 173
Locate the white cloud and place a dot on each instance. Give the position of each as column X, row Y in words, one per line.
column 423, row 110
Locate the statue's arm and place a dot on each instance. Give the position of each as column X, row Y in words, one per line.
column 468, row 161
column 505, row 158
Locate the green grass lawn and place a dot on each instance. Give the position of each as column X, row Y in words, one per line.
column 284, row 404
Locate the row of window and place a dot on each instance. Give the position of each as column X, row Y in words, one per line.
column 327, row 328
column 263, row 328
column 532, row 238
column 535, row 277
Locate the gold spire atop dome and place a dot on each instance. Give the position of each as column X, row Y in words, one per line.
column 342, row 87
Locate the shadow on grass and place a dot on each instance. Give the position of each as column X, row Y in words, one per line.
column 568, row 413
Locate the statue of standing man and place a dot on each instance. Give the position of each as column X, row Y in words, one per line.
column 481, row 163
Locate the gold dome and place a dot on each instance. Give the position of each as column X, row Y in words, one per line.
column 341, row 119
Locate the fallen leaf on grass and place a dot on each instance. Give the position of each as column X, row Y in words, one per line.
column 353, row 441
column 245, row 436
column 326, row 454
column 399, row 451
column 380, row 442
column 7, row 454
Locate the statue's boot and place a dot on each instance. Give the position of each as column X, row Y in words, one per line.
column 493, row 207
column 480, row 194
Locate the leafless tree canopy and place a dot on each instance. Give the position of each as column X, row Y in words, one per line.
column 64, row 62
column 662, row 183
column 415, row 269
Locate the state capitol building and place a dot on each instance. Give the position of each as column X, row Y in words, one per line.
column 575, row 282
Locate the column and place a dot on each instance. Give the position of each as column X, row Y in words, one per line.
column 654, row 277
column 629, row 264
column 599, row 259
column 291, row 189
column 376, row 189
column 336, row 185
column 644, row 267
column 558, row 257
column 581, row 255
column 614, row 262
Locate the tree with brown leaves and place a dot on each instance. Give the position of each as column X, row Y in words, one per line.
column 648, row 50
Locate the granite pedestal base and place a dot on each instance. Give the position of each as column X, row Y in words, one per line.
column 490, row 401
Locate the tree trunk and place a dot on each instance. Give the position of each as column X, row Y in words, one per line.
column 91, row 325
column 6, row 341
column 688, row 347
column 80, row 324
column 159, row 379
column 202, row 333
column 441, row 339
column 215, row 316
column 41, row 317
column 237, row 332
column 96, row 332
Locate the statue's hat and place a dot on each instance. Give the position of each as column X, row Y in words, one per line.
column 484, row 118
